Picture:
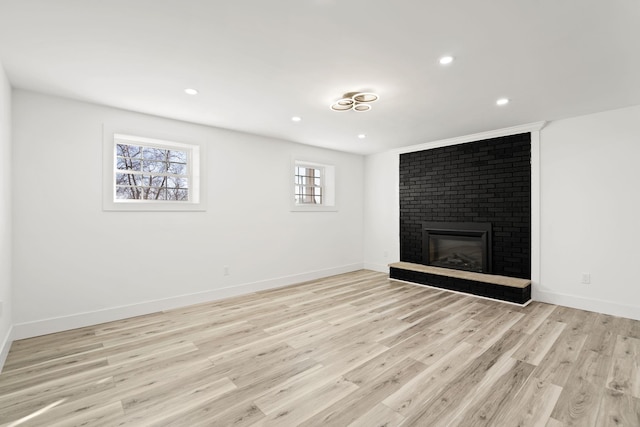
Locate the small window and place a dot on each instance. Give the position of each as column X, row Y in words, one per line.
column 313, row 187
column 150, row 174
column 308, row 185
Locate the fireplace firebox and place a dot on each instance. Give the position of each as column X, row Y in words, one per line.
column 457, row 245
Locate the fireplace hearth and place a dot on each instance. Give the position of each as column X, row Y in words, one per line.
column 457, row 245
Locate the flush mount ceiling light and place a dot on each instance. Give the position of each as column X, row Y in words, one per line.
column 356, row 101
column 446, row 60
column 296, row 119
column 502, row 101
column 190, row 91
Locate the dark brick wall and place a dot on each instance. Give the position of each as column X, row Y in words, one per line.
column 484, row 181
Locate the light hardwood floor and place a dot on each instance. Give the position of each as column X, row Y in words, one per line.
column 350, row 350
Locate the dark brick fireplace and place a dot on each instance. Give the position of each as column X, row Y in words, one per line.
column 484, row 182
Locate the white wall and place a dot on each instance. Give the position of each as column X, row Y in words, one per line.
column 589, row 179
column 75, row 264
column 5, row 216
column 381, row 211
column 590, row 204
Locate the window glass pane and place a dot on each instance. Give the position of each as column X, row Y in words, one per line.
column 150, row 153
column 178, row 194
column 308, row 194
column 124, row 163
column 156, row 181
column 175, row 182
column 312, row 190
column 153, row 166
column 127, row 193
column 126, row 150
column 154, row 193
column 142, row 180
column 178, row 156
column 307, row 176
column 161, row 194
column 177, row 168
column 128, row 179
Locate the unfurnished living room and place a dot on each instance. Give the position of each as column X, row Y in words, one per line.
column 319, row 213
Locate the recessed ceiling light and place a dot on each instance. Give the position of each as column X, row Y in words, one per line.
column 362, row 136
column 296, row 118
column 502, row 101
column 190, row 91
column 446, row 60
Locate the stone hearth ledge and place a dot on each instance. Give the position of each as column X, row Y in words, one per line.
column 500, row 288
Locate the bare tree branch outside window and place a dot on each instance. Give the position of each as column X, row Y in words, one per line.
column 151, row 173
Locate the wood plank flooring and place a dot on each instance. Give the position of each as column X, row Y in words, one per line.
column 349, row 350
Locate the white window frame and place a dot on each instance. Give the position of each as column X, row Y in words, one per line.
column 328, row 185
column 194, row 175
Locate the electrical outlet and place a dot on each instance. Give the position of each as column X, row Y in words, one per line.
column 586, row 278
column 226, row 270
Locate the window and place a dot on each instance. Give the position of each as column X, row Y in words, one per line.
column 308, row 185
column 313, row 187
column 151, row 174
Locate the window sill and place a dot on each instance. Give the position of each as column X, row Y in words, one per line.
column 298, row 208
column 142, row 206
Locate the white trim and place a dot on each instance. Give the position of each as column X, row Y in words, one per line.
column 535, row 209
column 589, row 304
column 463, row 293
column 328, row 180
column 80, row 320
column 514, row 130
column 196, row 167
column 6, row 346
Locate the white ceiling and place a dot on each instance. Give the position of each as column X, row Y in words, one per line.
column 257, row 63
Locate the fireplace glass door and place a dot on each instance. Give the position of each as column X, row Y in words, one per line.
column 457, row 245
column 458, row 252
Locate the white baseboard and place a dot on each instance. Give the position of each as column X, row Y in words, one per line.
column 80, row 320
column 381, row 268
column 589, row 304
column 5, row 346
